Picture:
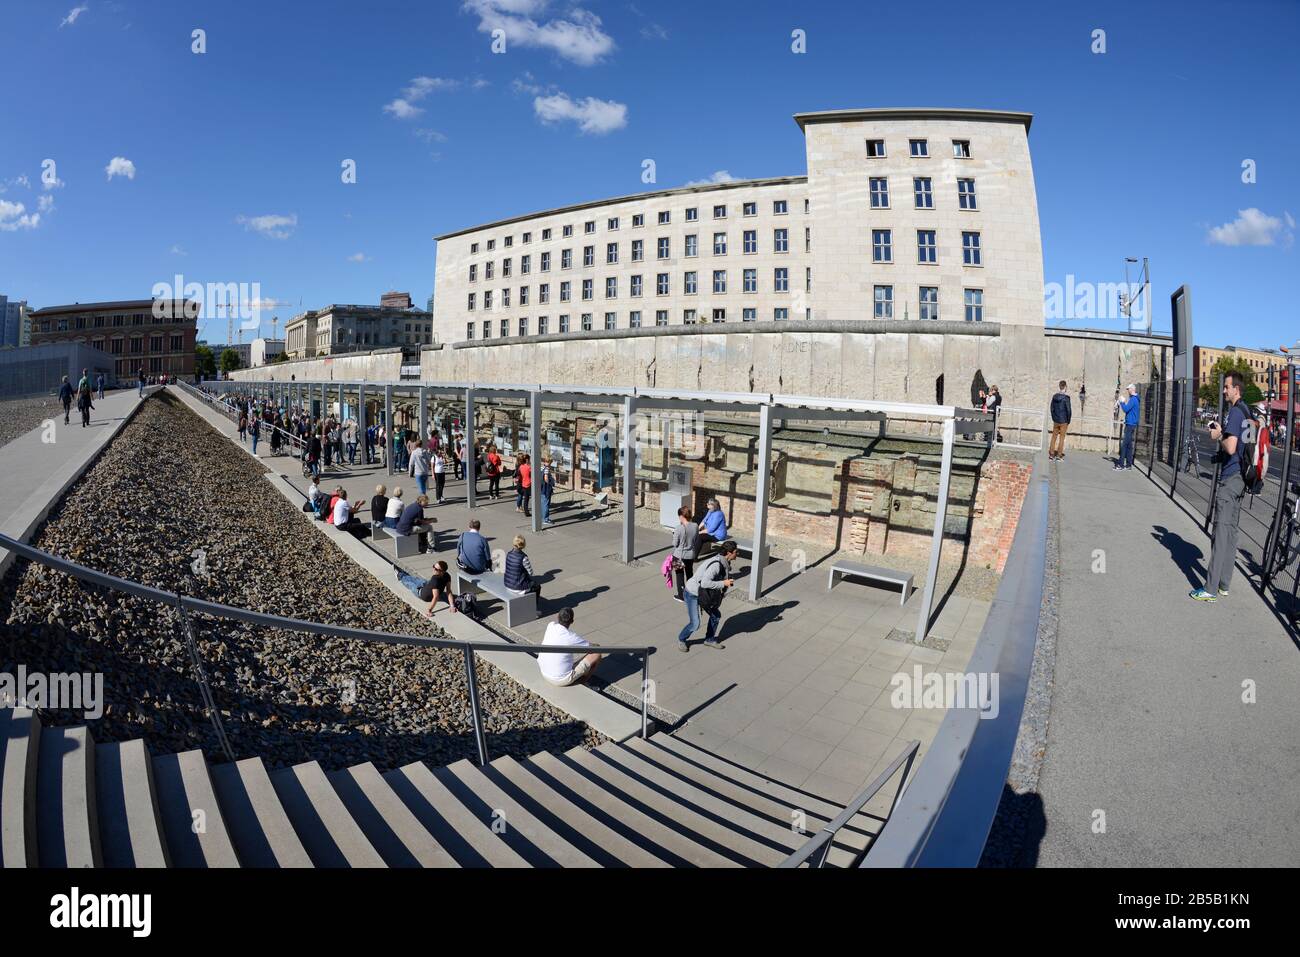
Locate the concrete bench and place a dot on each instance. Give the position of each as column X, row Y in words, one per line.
column 378, row 533
column 853, row 570
column 520, row 609
column 406, row 546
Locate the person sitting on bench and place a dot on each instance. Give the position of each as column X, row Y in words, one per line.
column 713, row 528
column 519, row 571
column 413, row 522
column 344, row 514
column 430, row 589
column 473, row 554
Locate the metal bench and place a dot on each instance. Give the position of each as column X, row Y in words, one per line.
column 520, row 609
column 853, row 570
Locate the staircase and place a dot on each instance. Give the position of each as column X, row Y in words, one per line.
column 66, row 801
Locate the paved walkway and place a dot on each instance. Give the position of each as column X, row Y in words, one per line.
column 36, row 468
column 1147, row 720
column 801, row 690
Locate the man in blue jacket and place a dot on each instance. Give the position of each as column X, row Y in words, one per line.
column 1129, row 406
column 472, row 551
column 1060, row 422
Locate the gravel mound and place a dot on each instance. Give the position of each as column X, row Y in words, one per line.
column 169, row 487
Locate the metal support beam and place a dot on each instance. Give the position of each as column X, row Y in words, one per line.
column 362, row 424
column 424, row 416
column 388, row 428
column 936, row 544
column 340, row 402
column 471, row 480
column 629, row 477
column 535, row 452
column 760, row 502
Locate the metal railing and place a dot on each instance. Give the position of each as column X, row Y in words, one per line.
column 819, row 848
column 188, row 604
column 1026, row 425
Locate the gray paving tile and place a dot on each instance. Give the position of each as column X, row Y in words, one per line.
column 804, row 751
column 826, row 729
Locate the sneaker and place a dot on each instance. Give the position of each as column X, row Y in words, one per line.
column 683, row 646
column 713, row 642
column 1117, row 467
column 1200, row 594
column 1223, row 593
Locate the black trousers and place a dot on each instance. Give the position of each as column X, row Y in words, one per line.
column 439, row 478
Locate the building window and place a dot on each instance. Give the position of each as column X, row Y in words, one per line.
column 523, row 295
column 505, row 328
column 781, row 279
column 689, row 283
column 473, row 272
column 692, row 246
column 611, row 287
column 566, row 258
column 178, row 343
column 970, row 249
column 749, row 209
column 588, row 256
column 471, row 301
column 546, row 234
column 636, row 286
column 634, row 319
column 921, row 189
column 566, row 231
column 749, row 280
column 748, row 315
column 780, row 207
column 588, row 290
column 882, row 246
column 487, row 270
column 665, row 217
column 564, row 323
column 661, row 284
column 611, row 254
column 611, row 320
column 692, row 214
column 638, row 250
column 528, row 237
column 875, row 149
column 491, row 244
column 505, row 298
column 611, row 223
column 487, row 299
column 589, row 226
column 719, row 244
column 720, row 212
column 966, row 194
column 510, row 241
column 807, row 239
column 638, row 219
column 926, row 252
column 961, row 149
column 719, row 315
column 525, row 264
column 751, row 241
column 661, row 317
column 523, row 326
column 586, row 322
column 566, row 288
column 781, row 240
column 929, row 302
column 546, row 262
column 473, row 248
column 542, row 323
column 469, row 330
column 719, row 280
column 780, row 312
column 544, row 293
column 974, row 305
column 662, row 247
column 487, row 328
column 919, row 148
column 884, row 304
column 879, row 187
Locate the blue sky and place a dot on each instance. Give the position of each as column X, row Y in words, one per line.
column 226, row 166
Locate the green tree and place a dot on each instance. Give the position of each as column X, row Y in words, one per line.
column 1209, row 390
column 205, row 363
column 229, row 361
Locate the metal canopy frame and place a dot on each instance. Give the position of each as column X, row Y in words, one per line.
column 769, row 407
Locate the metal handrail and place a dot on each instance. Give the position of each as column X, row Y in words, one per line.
column 820, row 844
column 217, row 610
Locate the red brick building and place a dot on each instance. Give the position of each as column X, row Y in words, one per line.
column 135, row 333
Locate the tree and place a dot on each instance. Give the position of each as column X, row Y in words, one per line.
column 229, row 361
column 205, row 363
column 1209, row 390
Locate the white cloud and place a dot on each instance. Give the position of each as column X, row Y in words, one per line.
column 45, row 203
column 14, row 216
column 527, row 84
column 592, row 115
column 579, row 38
column 72, row 16
column 404, row 107
column 120, row 166
column 178, row 251
column 1252, row 227
column 431, row 136
column 358, row 258
column 271, row 226
column 721, row 176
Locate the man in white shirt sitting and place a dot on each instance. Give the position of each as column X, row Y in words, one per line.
column 568, row 668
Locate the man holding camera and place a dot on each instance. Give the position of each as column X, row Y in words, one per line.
column 1129, row 406
column 1227, row 498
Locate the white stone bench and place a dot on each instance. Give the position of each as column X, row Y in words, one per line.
column 853, row 570
column 378, row 533
column 407, row 546
column 520, row 609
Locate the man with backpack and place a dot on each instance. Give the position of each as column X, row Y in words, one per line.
column 66, row 393
column 704, row 592
column 1236, row 441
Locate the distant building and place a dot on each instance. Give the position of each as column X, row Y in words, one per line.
column 244, row 349
column 15, row 328
column 37, row 370
column 154, row 335
column 1259, row 361
column 262, row 351
column 335, row 329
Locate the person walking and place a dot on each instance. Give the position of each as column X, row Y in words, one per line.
column 99, row 381
column 493, row 472
column 685, row 542
column 1230, row 438
column 140, row 374
column 1130, row 406
column 421, row 466
column 1263, row 443
column 1060, row 422
column 439, row 474
column 84, row 405
column 243, row 425
column 255, row 431
column 66, row 393
column 704, row 592
column 524, row 485
column 548, row 489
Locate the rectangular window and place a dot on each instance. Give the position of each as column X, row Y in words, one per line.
column 487, row 328
column 719, row 244
column 688, row 317
column 781, row 279
column 528, row 237
column 566, row 258
column 611, row 254
column 970, row 249
column 525, row 264
column 505, row 298
column 586, row 322
column 780, row 240
column 566, row 232
column 720, row 212
column 588, row 255
column 611, row 320
column 665, row 217
column 807, row 239
column 473, row 248
column 749, row 315
column 692, row 214
column 780, row 312
column 751, row 241
column 661, row 317
column 510, row 241
column 546, row 234
column 662, row 247
column 876, row 149
column 961, row 149
column 523, row 295
column 588, row 290
column 634, row 319
column 487, row 298
column 611, row 287
column 879, row 189
column 749, row 280
column 564, row 323
column 638, row 219
column 471, row 301
column 542, row 325
column 966, row 194
column 884, row 305
column 923, row 193
column 469, row 330
column 719, row 280
column 523, row 326
column 719, row 315
column 636, row 286
column 487, row 269
column 505, row 328
column 565, row 291
column 692, row 245
column 690, row 283
column 926, row 252
column 491, row 244
column 589, row 226
column 473, row 272
column 929, row 302
column 882, row 246
column 638, row 250
column 919, row 148
column 611, row 223
column 974, row 305
column 546, row 262
column 661, row 284
column 749, row 209
column 780, row 207
column 544, row 293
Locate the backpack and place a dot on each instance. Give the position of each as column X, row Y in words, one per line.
column 1247, row 451
column 710, row 599
column 466, row 604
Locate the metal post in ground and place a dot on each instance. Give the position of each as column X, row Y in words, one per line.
column 468, row 461
column 1218, row 465
column 475, row 714
column 388, row 428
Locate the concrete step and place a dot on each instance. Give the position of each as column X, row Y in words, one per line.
column 679, row 848
column 394, row 831
column 534, row 840
column 130, row 827
column 258, row 824
column 454, row 826
column 193, row 825
column 330, row 834
column 67, row 831
column 855, row 835
column 669, row 812
column 565, row 816
column 780, row 837
column 20, row 747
